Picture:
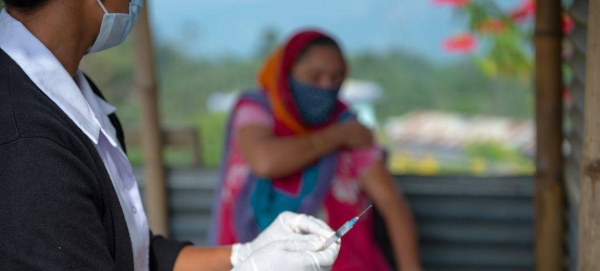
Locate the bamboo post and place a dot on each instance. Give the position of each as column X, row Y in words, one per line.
column 589, row 207
column 145, row 78
column 549, row 195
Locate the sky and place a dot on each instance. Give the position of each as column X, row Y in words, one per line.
column 233, row 27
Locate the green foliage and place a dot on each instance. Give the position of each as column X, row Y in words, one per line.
column 509, row 159
column 505, row 52
column 212, row 137
column 480, row 11
column 411, row 82
column 187, row 83
column 492, row 151
column 172, row 157
column 506, row 56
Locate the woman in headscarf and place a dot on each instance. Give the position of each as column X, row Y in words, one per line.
column 294, row 146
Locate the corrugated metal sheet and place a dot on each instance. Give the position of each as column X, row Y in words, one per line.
column 465, row 223
column 577, row 44
column 577, row 41
column 579, row 11
column 470, row 223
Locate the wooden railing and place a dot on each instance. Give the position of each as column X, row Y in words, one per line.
column 185, row 138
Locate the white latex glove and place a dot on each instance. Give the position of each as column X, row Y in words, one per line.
column 287, row 226
column 292, row 255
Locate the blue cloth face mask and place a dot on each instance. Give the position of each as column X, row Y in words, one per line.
column 116, row 26
column 315, row 104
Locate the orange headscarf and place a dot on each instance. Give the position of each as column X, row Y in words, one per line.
column 273, row 78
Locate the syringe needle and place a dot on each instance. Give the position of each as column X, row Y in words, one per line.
column 363, row 212
column 343, row 229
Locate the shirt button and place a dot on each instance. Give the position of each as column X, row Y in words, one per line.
column 134, row 210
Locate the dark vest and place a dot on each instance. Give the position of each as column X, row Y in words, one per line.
column 58, row 207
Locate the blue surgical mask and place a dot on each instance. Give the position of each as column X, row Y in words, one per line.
column 116, row 26
column 315, row 104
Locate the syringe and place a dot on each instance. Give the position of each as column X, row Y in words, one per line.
column 343, row 229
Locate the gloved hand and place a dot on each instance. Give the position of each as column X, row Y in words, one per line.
column 292, row 255
column 287, row 226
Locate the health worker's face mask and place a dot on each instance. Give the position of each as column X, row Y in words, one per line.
column 115, row 26
column 315, row 104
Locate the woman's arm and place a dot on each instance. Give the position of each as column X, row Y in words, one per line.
column 398, row 217
column 270, row 156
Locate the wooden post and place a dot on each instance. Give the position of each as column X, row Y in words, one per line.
column 549, row 194
column 589, row 207
column 154, row 171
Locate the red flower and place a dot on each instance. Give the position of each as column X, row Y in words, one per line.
column 456, row 3
column 566, row 95
column 567, row 23
column 524, row 12
column 492, row 26
column 462, row 43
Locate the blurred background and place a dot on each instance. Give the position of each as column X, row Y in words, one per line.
column 446, row 84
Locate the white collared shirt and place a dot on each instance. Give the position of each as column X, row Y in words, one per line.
column 90, row 113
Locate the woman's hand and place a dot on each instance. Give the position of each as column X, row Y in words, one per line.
column 354, row 135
